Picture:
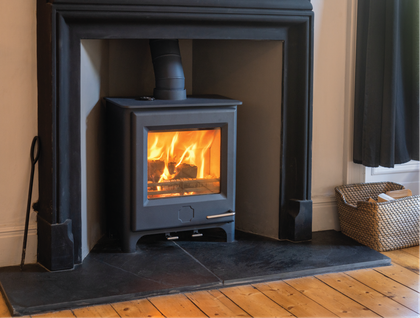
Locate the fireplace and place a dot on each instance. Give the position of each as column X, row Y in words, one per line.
column 171, row 166
column 64, row 24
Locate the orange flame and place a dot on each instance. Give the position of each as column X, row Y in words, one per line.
column 196, row 148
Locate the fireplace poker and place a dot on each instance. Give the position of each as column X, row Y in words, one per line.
column 34, row 158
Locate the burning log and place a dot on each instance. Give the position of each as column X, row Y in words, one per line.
column 155, row 169
column 185, row 170
column 182, row 171
column 187, row 186
column 179, row 182
column 171, row 167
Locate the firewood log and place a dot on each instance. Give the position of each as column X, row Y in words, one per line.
column 171, row 167
column 398, row 194
column 155, row 170
column 185, row 170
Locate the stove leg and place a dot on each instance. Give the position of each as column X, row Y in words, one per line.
column 229, row 228
column 129, row 243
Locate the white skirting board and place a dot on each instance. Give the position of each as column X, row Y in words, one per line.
column 11, row 241
column 325, row 215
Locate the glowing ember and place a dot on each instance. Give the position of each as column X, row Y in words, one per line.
column 183, row 163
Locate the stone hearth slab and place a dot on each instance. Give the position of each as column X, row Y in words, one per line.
column 160, row 267
column 252, row 260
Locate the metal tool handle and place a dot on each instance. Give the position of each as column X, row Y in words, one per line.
column 220, row 215
column 34, row 158
column 169, row 237
column 34, row 155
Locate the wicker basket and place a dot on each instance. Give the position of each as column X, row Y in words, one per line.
column 382, row 226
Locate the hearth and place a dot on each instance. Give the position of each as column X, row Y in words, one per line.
column 164, row 267
column 171, row 166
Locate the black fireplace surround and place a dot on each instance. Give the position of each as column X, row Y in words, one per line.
column 62, row 24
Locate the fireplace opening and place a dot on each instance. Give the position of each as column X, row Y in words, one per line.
column 183, row 162
column 246, row 70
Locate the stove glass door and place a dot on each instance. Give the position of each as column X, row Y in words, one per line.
column 183, row 162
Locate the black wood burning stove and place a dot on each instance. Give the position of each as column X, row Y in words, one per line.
column 171, row 166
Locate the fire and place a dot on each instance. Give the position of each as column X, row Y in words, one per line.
column 182, row 156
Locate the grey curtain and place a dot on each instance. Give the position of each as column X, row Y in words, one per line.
column 386, row 110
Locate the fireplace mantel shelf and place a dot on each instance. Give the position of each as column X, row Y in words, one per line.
column 247, row 4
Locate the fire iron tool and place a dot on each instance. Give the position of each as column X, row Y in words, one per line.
column 34, row 158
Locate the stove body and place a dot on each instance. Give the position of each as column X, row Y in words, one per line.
column 152, row 188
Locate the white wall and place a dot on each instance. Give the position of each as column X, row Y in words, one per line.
column 18, row 125
column 334, row 59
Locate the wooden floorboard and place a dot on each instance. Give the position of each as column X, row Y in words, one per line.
column 333, row 300
column 366, row 296
column 293, row 300
column 404, row 259
column 255, row 303
column 387, row 287
column 412, row 250
column 58, row 314
column 402, row 275
column 177, row 306
column 390, row 291
column 136, row 308
column 4, row 311
column 96, row 311
column 215, row 304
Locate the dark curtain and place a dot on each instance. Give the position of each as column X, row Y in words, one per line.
column 386, row 110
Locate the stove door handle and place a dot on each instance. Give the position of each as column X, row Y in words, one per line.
column 220, row 215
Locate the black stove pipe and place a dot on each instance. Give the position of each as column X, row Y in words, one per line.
column 169, row 74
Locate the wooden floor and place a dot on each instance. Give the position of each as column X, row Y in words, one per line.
column 391, row 291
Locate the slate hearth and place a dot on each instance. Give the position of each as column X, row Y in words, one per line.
column 160, row 267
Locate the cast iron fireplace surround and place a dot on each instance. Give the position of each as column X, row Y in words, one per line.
column 62, row 24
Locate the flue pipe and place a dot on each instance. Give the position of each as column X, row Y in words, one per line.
column 169, row 74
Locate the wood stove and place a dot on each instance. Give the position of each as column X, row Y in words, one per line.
column 171, row 166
